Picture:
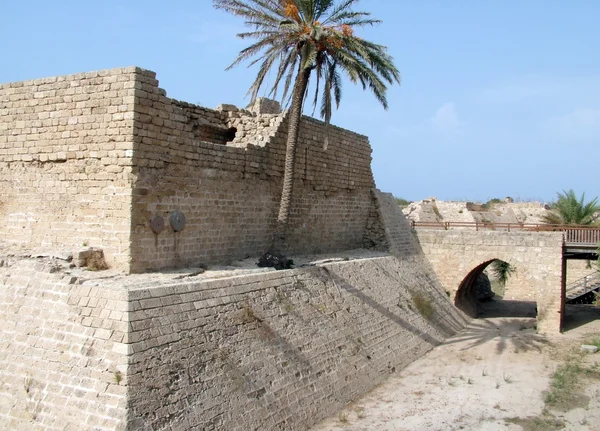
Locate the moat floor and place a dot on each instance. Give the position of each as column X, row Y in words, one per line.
column 491, row 376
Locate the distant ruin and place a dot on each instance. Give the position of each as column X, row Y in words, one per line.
column 506, row 211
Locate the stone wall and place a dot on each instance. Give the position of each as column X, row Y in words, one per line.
column 469, row 212
column 62, row 351
column 65, row 161
column 537, row 257
column 90, row 159
column 278, row 350
column 229, row 191
column 269, row 350
column 263, row 350
column 578, row 269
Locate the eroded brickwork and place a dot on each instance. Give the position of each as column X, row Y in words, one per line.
column 63, row 351
column 90, row 159
column 66, row 161
column 229, row 190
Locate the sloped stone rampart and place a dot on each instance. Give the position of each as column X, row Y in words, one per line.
column 270, row 350
column 400, row 239
column 279, row 350
column 63, row 351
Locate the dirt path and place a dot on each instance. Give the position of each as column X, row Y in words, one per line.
column 491, row 376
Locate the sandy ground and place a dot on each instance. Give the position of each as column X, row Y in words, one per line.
column 496, row 369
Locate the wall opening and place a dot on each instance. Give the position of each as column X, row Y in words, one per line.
column 480, row 295
column 215, row 134
column 466, row 296
column 230, row 134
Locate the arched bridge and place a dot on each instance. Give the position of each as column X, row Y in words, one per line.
column 459, row 252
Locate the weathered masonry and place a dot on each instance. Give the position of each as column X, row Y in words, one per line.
column 107, row 159
column 262, row 351
column 459, row 256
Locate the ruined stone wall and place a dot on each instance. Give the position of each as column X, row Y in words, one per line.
column 263, row 350
column 537, row 257
column 63, row 352
column 207, row 125
column 65, row 161
column 229, row 191
column 277, row 350
column 90, row 159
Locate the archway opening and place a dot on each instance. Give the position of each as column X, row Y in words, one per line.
column 481, row 293
column 466, row 295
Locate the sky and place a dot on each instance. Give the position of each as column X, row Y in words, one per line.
column 497, row 98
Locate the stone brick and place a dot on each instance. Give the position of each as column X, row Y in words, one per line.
column 454, row 254
column 100, row 136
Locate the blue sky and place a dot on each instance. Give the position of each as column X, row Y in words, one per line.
column 497, row 98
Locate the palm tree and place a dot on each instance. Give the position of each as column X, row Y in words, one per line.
column 296, row 38
column 502, row 271
column 570, row 210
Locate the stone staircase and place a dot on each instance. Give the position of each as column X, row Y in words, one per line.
column 577, row 290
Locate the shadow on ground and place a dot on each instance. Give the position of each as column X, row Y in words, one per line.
column 510, row 324
column 518, row 335
column 506, row 308
column 577, row 315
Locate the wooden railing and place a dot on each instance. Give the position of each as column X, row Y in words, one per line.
column 582, row 236
column 573, row 233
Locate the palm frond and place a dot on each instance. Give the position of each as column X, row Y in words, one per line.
column 568, row 209
column 312, row 35
column 502, row 271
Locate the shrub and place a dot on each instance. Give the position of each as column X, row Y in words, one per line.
column 402, row 202
column 423, row 304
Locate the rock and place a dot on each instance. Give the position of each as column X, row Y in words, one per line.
column 274, row 260
column 92, row 258
column 589, row 348
column 227, row 108
column 61, row 255
column 265, row 106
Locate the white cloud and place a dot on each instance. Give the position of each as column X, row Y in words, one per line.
column 446, row 118
column 534, row 88
column 579, row 124
column 443, row 126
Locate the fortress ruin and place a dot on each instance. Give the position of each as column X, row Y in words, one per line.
column 106, row 159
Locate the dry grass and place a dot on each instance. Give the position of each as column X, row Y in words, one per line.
column 423, row 304
column 538, row 423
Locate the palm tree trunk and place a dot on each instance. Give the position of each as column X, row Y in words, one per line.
column 295, row 116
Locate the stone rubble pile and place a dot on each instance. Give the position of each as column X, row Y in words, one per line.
column 434, row 210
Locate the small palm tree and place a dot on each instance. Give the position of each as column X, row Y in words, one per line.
column 502, row 271
column 303, row 38
column 570, row 210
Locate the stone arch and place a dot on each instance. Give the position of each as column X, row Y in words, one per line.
column 466, row 295
column 458, row 254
